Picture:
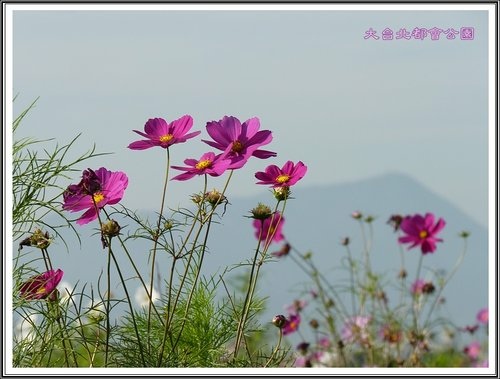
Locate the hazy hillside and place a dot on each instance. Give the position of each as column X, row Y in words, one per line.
column 318, row 218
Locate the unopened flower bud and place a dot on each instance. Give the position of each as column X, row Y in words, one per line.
column 282, row 193
column 395, row 221
column 314, row 323
column 464, row 234
column 302, row 347
column 369, row 219
column 197, row 199
column 356, row 215
column 428, row 288
column 261, row 212
column 111, row 228
column 330, row 303
column 215, row 197
column 279, row 321
column 168, row 225
column 402, row 274
column 345, row 241
column 38, row 239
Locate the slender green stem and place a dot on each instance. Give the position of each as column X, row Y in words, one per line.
column 351, row 275
column 415, row 296
column 186, row 270
column 448, row 278
column 129, row 301
column 246, row 303
column 155, row 246
column 193, row 287
column 139, row 276
column 252, row 283
column 108, row 309
column 276, row 348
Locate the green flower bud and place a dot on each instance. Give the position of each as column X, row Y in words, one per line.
column 261, row 212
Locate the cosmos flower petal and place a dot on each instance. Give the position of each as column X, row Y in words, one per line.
column 141, row 145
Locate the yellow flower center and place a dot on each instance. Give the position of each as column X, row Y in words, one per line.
column 166, row 138
column 98, row 197
column 201, row 165
column 282, row 179
column 423, row 234
column 237, row 147
column 41, row 291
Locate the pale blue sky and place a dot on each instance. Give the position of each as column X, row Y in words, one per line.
column 349, row 108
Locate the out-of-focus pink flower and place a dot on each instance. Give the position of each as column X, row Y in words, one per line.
column 160, row 133
column 283, row 252
column 209, row 163
column 482, row 316
column 292, row 324
column 325, row 342
column 421, row 231
column 41, row 286
column 239, row 141
column 271, row 227
column 297, row 306
column 473, row 350
column 302, row 361
column 355, row 329
column 417, row 287
column 286, row 176
column 96, row 190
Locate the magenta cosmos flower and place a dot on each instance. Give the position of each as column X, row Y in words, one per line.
column 286, row 176
column 160, row 133
column 239, row 141
column 291, row 324
column 41, row 286
column 209, row 163
column 95, row 190
column 271, row 227
column 421, row 231
column 417, row 287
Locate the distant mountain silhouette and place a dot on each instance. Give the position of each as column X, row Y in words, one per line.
column 317, row 218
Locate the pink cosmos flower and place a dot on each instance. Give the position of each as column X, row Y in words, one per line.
column 302, row 361
column 482, row 316
column 97, row 189
column 209, row 164
column 473, row 350
column 291, row 324
column 417, row 287
column 41, row 286
column 271, row 227
column 325, row 342
column 286, row 176
column 239, row 141
column 421, row 231
column 297, row 306
column 160, row 133
column 355, row 329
